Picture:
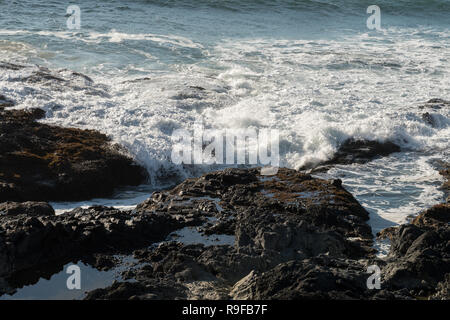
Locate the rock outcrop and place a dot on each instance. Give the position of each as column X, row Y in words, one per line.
column 295, row 237
column 34, row 241
column 432, row 108
column 355, row 151
column 290, row 216
column 44, row 162
column 30, row 208
column 5, row 102
column 419, row 259
column 445, row 172
column 362, row 151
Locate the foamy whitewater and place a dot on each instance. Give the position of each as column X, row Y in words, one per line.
column 311, row 69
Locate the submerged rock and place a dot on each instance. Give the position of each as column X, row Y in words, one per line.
column 44, row 162
column 11, row 66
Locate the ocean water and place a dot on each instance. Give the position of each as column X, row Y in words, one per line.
column 311, row 69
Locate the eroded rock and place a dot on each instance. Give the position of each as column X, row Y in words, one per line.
column 295, row 237
column 432, row 108
column 419, row 259
column 287, row 217
column 43, row 162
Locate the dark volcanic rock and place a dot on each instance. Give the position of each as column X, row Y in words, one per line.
column 154, row 289
column 433, row 106
column 362, row 151
column 419, row 259
column 28, row 208
column 287, row 217
column 245, row 197
column 355, row 151
column 5, row 102
column 29, row 244
column 445, row 172
column 337, row 279
column 295, row 237
column 43, row 162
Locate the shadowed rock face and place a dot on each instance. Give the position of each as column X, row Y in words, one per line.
column 419, row 259
column 32, row 245
column 5, row 102
column 290, row 216
column 31, row 208
column 43, row 162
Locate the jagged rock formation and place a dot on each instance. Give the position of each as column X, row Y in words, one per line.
column 43, row 162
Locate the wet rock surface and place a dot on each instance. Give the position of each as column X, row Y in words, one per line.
column 362, row 151
column 355, row 151
column 445, row 172
column 432, row 109
column 35, row 245
column 295, row 237
column 419, row 259
column 5, row 102
column 43, row 162
column 30, row 208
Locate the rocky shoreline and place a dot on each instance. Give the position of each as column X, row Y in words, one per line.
column 43, row 162
column 293, row 236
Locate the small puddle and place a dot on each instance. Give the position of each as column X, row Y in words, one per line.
column 190, row 235
column 56, row 287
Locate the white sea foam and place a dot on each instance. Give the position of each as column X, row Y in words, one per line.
column 316, row 93
column 111, row 36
